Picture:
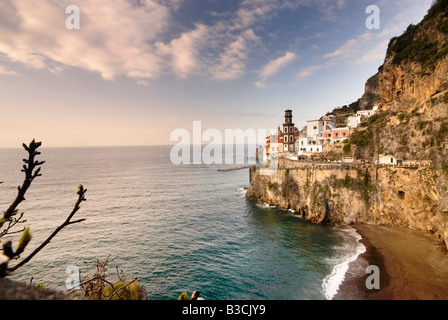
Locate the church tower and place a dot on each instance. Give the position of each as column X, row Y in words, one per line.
column 288, row 132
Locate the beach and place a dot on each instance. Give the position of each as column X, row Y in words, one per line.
column 413, row 266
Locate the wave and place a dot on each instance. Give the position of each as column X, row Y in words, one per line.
column 350, row 250
column 243, row 191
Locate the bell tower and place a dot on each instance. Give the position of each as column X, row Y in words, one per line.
column 288, row 132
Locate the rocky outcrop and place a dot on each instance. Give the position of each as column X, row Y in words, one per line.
column 371, row 96
column 412, row 84
column 416, row 64
column 12, row 290
column 407, row 197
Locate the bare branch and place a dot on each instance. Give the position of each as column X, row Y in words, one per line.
column 30, row 175
column 119, row 289
column 81, row 198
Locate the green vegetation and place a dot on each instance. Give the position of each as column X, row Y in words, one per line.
column 442, row 134
column 403, row 116
column 421, row 124
column 443, row 26
column 445, row 169
column 373, row 118
column 410, row 47
column 363, row 184
column 347, row 148
column 272, row 186
column 126, row 290
column 362, row 139
column 440, row 6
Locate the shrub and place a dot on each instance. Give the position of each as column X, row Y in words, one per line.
column 373, row 118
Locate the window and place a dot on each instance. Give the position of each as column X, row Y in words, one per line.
column 286, row 138
column 291, row 138
column 291, row 129
column 315, row 128
column 336, row 134
column 343, row 134
column 286, row 129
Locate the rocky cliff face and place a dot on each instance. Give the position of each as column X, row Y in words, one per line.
column 412, row 86
column 416, row 63
column 372, row 95
column 407, row 197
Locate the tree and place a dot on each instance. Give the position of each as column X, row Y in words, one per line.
column 11, row 218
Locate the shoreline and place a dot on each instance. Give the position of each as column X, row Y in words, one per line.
column 412, row 266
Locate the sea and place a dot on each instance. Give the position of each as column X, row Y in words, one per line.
column 177, row 228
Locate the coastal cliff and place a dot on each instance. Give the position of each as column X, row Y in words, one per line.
column 407, row 197
column 411, row 91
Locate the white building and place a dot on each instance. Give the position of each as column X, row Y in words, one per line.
column 308, row 145
column 386, row 159
column 353, row 121
column 367, row 113
column 314, row 127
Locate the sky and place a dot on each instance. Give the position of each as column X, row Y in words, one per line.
column 137, row 70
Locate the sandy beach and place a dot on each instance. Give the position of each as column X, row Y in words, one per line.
column 413, row 266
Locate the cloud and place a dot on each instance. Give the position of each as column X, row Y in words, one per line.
column 232, row 62
column 140, row 39
column 184, row 50
column 276, row 65
column 6, row 71
column 309, row 71
column 260, row 84
column 114, row 37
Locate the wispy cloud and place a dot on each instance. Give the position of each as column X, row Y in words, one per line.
column 273, row 67
column 114, row 38
column 184, row 51
column 132, row 38
column 232, row 62
column 309, row 71
column 276, row 65
column 6, row 71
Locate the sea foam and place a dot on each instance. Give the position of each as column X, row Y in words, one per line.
column 350, row 251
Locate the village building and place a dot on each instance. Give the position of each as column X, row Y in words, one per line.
column 339, row 134
column 365, row 114
column 386, row 159
column 353, row 121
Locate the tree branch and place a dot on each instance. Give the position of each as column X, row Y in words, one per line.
column 30, row 165
column 81, row 198
column 30, row 175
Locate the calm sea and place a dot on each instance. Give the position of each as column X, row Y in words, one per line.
column 176, row 228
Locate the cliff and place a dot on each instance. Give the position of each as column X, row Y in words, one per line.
column 411, row 89
column 407, row 197
column 412, row 122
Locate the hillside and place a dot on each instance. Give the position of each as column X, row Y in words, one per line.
column 412, row 123
column 411, row 89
